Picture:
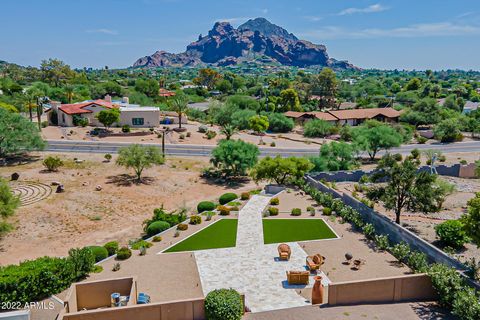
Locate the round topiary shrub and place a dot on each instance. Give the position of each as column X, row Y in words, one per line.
column 157, row 239
column 112, row 247
column 327, row 211
column 452, row 233
column 245, row 196
column 296, row 211
column 99, row 252
column 124, row 253
column 205, row 206
column 157, row 227
column 182, row 227
column 195, row 220
column 223, row 304
column 227, row 197
column 274, row 201
column 223, row 211
column 273, row 211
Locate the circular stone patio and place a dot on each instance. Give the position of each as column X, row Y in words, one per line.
column 30, row 192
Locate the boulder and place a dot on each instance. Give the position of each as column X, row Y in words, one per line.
column 15, row 176
column 60, row 188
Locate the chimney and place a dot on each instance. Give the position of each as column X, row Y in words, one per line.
column 108, row 98
column 55, row 105
column 125, row 100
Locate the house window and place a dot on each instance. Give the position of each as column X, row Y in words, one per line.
column 137, row 121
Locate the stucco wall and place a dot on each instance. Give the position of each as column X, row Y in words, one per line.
column 416, row 287
column 150, row 118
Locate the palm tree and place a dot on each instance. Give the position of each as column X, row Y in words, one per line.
column 69, row 93
column 229, row 130
column 179, row 104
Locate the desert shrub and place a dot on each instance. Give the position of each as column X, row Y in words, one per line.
column 452, row 233
column 125, row 128
column 465, row 304
column 227, row 197
column 223, row 304
column 317, row 128
column 205, row 206
column 182, row 137
column 234, row 208
column 245, row 196
column 157, row 239
column 172, row 218
column 327, row 211
column 189, row 134
column 182, row 227
column 417, row 261
column 273, row 211
column 138, row 244
column 52, row 163
column 34, row 280
column 203, row 129
column 100, row 253
column 280, row 123
column 209, row 214
column 421, row 140
column 368, row 230
column 112, row 247
column 274, row 201
column 400, row 251
column 157, row 227
column 224, row 211
column 176, row 234
column 296, row 212
column 195, row 220
column 124, row 253
column 108, row 157
column 397, row 157
column 446, row 282
column 210, row 134
column 311, row 210
column 382, row 242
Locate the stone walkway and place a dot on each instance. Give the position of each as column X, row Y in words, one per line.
column 253, row 268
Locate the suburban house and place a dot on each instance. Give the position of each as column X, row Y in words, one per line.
column 351, row 117
column 165, row 93
column 134, row 115
column 470, row 106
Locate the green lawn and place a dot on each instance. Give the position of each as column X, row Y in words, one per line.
column 221, row 234
column 291, row 230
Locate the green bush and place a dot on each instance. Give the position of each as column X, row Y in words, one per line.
column 280, row 123
column 446, row 282
column 157, row 239
column 124, row 253
column 311, row 210
column 100, row 253
column 400, row 251
column 195, row 220
column 382, row 242
column 112, row 247
column 466, row 305
column 369, row 231
column 223, row 304
column 125, row 128
column 452, row 233
column 273, row 211
column 317, row 128
column 224, row 211
column 227, row 197
column 182, row 227
column 274, row 201
column 157, row 227
column 205, row 206
column 172, row 218
column 296, row 212
column 34, row 280
column 327, row 211
column 417, row 261
column 52, row 163
column 245, row 196
column 136, row 245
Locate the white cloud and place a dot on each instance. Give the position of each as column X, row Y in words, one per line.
column 412, row 31
column 104, row 31
column 313, row 18
column 370, row 9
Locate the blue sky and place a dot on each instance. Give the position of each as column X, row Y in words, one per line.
column 388, row 34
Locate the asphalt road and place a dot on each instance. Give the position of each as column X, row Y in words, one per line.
column 204, row 150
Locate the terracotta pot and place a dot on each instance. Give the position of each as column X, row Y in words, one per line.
column 317, row 291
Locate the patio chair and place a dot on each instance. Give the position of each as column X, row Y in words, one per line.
column 298, row 277
column 314, row 262
column 284, row 251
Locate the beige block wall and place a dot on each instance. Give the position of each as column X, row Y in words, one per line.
column 150, row 118
column 467, row 171
column 416, row 287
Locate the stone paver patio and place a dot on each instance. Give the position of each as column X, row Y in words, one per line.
column 252, row 268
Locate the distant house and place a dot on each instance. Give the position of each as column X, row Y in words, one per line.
column 470, row 106
column 351, row 117
column 140, row 117
column 165, row 93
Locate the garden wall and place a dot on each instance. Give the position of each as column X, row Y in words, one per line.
column 416, row 287
column 354, row 176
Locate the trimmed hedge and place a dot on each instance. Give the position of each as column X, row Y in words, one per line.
column 35, row 280
column 182, row 227
column 223, row 211
column 296, row 212
column 452, row 233
column 157, row 227
column 274, row 201
column 124, row 253
column 245, row 196
column 227, row 197
column 100, row 253
column 273, row 211
column 195, row 220
column 112, row 247
column 205, row 206
column 223, row 304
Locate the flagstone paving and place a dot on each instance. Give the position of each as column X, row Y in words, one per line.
column 252, row 268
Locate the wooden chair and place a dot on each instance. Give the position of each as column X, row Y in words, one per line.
column 298, row 277
column 284, row 251
column 314, row 262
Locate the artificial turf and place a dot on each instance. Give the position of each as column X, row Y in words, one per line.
column 221, row 234
column 291, row 230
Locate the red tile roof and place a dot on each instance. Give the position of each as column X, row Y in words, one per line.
column 317, row 114
column 77, row 108
column 368, row 113
column 165, row 93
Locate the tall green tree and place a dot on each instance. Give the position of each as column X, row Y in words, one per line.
column 8, row 202
column 281, row 170
column 325, row 85
column 233, row 158
column 373, row 136
column 108, row 117
column 259, row 124
column 17, row 135
column 179, row 104
column 139, row 158
column 289, row 100
column 471, row 220
column 335, row 156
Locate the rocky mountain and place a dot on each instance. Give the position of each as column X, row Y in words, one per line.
column 257, row 39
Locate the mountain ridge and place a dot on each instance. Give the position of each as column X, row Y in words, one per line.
column 257, row 39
